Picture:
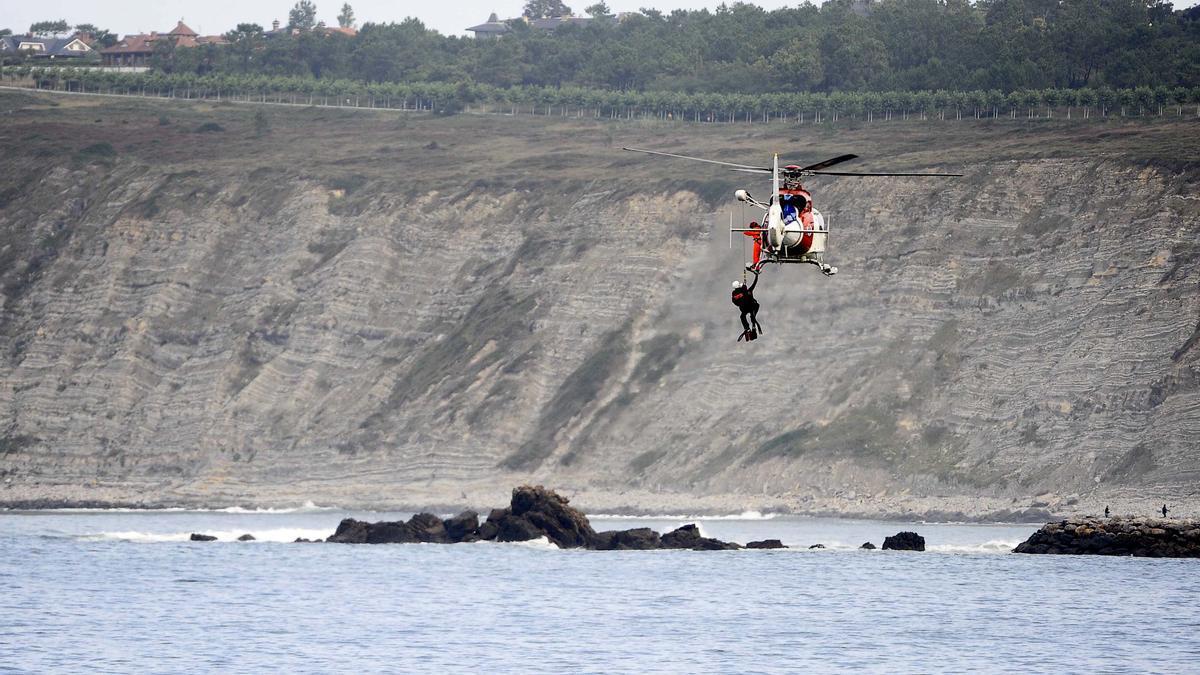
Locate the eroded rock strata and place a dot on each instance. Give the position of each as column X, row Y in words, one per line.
column 1143, row 537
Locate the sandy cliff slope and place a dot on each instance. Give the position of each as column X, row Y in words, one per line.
column 369, row 308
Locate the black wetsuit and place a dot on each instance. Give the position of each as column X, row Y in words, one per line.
column 744, row 299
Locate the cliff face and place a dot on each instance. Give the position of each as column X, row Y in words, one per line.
column 360, row 308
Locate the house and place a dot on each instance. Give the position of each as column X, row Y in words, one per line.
column 492, row 29
column 43, row 47
column 136, row 50
column 319, row 29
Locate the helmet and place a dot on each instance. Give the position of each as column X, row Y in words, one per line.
column 737, row 284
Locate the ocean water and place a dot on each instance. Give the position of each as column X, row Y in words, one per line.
column 123, row 591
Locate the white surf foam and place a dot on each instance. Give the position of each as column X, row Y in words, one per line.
column 744, row 515
column 306, row 507
column 282, row 534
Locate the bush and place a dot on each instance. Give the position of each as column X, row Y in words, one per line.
column 98, row 151
column 209, row 127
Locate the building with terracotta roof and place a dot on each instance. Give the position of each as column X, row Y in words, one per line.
column 136, row 50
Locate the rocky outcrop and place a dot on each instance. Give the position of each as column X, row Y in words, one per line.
column 537, row 512
column 689, row 537
column 638, row 539
column 868, row 546
column 246, row 537
column 766, row 543
column 202, row 537
column 534, row 512
column 903, row 541
column 1143, row 537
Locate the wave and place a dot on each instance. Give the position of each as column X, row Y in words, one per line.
column 991, row 546
column 282, row 534
column 744, row 515
column 306, row 507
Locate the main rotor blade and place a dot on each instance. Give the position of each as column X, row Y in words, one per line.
column 843, row 173
column 766, row 171
column 697, row 159
column 829, row 162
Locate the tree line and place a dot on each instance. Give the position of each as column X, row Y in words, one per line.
column 841, row 45
column 449, row 98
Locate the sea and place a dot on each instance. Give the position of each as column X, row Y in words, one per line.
column 125, row 591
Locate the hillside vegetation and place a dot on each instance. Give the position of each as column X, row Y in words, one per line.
column 222, row 303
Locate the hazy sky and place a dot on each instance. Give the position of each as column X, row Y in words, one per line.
column 217, row 16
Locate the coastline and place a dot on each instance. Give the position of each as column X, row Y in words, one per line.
column 616, row 503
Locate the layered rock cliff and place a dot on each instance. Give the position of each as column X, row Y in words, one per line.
column 371, row 308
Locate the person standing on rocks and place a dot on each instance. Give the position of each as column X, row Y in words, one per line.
column 1106, row 512
column 1164, row 510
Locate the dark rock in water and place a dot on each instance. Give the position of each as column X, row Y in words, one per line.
column 766, row 543
column 350, row 531
column 202, row 537
column 1142, row 537
column 302, row 540
column 514, row 528
column 428, row 528
column 246, row 537
column 638, row 539
column 904, row 541
column 869, row 546
column 688, row 536
column 463, row 527
column 816, row 546
column 488, row 530
column 537, row 512
column 549, row 512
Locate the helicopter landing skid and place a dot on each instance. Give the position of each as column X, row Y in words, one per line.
column 827, row 270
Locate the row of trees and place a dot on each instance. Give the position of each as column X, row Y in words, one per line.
column 840, row 45
column 583, row 102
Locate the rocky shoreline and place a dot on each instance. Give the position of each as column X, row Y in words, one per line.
column 1118, row 536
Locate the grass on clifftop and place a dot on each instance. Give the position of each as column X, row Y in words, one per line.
column 349, row 150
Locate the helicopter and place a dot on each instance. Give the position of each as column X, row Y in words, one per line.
column 793, row 231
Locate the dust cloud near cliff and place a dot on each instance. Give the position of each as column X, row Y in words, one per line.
column 370, row 308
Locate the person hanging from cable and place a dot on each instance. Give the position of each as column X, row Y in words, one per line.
column 743, row 298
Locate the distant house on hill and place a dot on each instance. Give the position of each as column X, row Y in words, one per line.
column 494, row 28
column 136, row 50
column 321, row 29
column 490, row 29
column 44, row 47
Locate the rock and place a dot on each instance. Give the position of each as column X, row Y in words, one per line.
column 514, row 528
column 816, row 546
column 302, row 540
column 428, row 528
column 904, row 541
column 869, row 546
column 202, row 537
column 1144, row 537
column 463, row 527
column 489, row 530
column 766, row 543
column 350, row 531
column 688, row 536
column 549, row 512
column 246, row 537
column 638, row 539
